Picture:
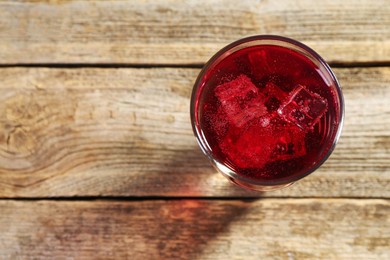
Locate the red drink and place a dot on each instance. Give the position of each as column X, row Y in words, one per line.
column 267, row 111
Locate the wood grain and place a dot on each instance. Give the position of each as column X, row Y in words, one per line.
column 126, row 132
column 186, row 32
column 195, row 229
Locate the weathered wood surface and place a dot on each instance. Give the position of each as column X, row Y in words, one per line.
column 186, row 32
column 195, row 229
column 126, row 132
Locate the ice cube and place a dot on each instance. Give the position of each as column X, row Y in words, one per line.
column 303, row 108
column 249, row 149
column 260, row 63
column 289, row 145
column 258, row 145
column 274, row 96
column 241, row 101
column 237, row 88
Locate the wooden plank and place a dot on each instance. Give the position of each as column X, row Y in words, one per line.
column 182, row 32
column 111, row 132
column 196, row 229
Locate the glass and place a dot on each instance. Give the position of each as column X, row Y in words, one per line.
column 267, row 111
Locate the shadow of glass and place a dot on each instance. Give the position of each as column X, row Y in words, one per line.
column 185, row 228
column 181, row 173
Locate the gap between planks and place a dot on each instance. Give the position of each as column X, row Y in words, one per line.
column 165, row 65
column 178, row 198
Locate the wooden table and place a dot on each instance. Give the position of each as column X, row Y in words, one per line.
column 97, row 155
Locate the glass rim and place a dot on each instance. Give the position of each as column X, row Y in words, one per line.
column 253, row 41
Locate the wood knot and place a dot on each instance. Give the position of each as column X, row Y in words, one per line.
column 19, row 140
column 29, row 117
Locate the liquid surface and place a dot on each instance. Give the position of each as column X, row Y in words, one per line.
column 267, row 113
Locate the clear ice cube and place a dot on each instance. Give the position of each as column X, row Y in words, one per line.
column 241, row 100
column 237, row 88
column 303, row 108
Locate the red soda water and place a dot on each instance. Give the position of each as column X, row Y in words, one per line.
column 267, row 114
